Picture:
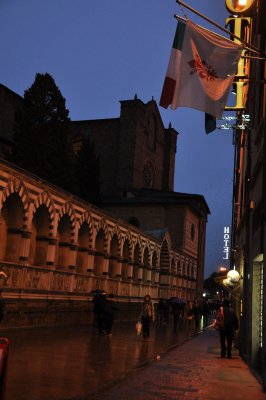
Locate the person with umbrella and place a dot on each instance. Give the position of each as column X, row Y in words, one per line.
column 109, row 312
column 98, row 302
column 175, row 304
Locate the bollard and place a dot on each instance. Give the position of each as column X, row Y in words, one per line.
column 4, row 343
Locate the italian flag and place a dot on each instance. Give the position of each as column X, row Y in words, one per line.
column 201, row 70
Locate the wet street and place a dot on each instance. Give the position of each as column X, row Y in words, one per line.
column 75, row 363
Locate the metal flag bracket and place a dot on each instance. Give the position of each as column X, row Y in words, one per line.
column 245, row 44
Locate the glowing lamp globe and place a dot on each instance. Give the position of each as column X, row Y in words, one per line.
column 228, row 283
column 233, row 276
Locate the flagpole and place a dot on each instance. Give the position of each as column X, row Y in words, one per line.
column 249, row 46
column 208, row 30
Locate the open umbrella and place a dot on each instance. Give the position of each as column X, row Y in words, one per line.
column 97, row 291
column 176, row 300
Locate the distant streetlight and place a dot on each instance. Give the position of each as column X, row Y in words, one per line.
column 222, row 269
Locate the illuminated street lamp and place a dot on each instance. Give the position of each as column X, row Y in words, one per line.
column 233, row 276
column 227, row 282
column 239, row 6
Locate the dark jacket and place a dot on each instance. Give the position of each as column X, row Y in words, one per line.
column 110, row 309
column 98, row 304
column 230, row 319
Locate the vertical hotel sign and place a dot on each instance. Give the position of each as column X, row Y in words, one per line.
column 226, row 243
column 240, row 25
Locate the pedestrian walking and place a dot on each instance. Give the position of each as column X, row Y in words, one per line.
column 196, row 315
column 160, row 308
column 146, row 315
column 166, row 310
column 98, row 302
column 176, row 311
column 109, row 311
column 205, row 312
column 189, row 313
column 228, row 325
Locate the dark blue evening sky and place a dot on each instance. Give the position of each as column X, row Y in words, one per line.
column 100, row 52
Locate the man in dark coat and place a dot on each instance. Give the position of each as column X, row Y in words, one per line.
column 109, row 311
column 99, row 301
column 227, row 331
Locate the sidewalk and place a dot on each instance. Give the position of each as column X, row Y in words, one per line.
column 192, row 371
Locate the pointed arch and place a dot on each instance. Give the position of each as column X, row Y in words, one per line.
column 165, row 263
column 114, row 270
column 85, row 217
column 100, row 248
column 126, row 271
column 45, row 199
column 67, row 209
column 154, row 266
column 16, row 185
column 84, row 241
column 146, row 265
column 41, row 233
column 65, row 237
column 12, row 225
column 137, row 262
column 102, row 225
column 116, row 231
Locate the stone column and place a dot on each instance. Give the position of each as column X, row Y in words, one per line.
column 90, row 261
column 51, row 252
column 24, row 247
column 140, row 273
column 149, row 275
column 73, row 256
column 130, row 271
column 106, row 265
column 119, row 268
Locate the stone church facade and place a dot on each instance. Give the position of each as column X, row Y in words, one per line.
column 56, row 248
column 137, row 163
column 135, row 150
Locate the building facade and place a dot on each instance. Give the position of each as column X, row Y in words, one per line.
column 137, row 162
column 135, row 150
column 249, row 242
column 56, row 248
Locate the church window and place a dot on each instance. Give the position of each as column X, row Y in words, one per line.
column 148, row 176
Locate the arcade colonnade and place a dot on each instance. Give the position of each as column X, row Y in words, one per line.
column 57, row 246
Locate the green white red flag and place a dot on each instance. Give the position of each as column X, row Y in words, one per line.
column 201, row 70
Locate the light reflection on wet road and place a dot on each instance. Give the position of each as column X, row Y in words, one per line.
column 75, row 363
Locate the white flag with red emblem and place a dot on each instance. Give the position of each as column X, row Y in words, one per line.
column 201, row 70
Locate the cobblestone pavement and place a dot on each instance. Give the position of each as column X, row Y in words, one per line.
column 76, row 364
column 67, row 363
column 192, row 371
